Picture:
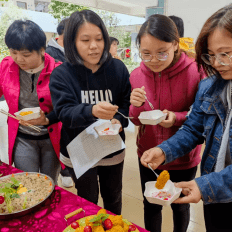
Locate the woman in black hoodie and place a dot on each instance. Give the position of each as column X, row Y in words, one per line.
column 91, row 85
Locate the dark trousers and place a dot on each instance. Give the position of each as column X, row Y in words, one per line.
column 110, row 181
column 218, row 217
column 152, row 212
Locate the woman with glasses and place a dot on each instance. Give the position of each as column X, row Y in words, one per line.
column 209, row 121
column 169, row 79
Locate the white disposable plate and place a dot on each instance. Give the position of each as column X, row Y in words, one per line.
column 169, row 187
column 153, row 117
column 113, row 129
column 34, row 115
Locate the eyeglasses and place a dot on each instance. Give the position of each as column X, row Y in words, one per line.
column 222, row 58
column 162, row 56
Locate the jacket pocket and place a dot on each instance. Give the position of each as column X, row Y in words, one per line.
column 209, row 122
column 208, row 107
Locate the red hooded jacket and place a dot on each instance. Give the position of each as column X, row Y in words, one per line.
column 173, row 89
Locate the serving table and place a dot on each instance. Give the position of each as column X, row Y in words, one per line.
column 50, row 217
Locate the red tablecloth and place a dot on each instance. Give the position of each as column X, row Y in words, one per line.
column 50, row 217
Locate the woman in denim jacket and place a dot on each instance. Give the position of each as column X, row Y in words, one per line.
column 209, row 120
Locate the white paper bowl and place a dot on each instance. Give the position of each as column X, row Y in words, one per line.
column 113, row 129
column 34, row 115
column 153, row 117
column 150, row 188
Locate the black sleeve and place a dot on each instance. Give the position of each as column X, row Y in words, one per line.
column 52, row 118
column 67, row 108
column 124, row 98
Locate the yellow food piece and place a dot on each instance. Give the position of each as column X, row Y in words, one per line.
column 80, row 229
column 117, row 220
column 87, row 223
column 116, row 229
column 21, row 189
column 101, row 211
column 162, row 179
column 26, row 113
column 98, row 229
column 126, row 227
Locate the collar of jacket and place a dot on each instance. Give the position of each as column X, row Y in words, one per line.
column 181, row 64
column 49, row 64
column 212, row 97
column 215, row 88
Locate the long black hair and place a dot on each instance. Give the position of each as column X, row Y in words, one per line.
column 76, row 20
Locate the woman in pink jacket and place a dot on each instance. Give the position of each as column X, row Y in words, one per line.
column 169, row 79
column 24, row 82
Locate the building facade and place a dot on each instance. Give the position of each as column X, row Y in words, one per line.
column 34, row 5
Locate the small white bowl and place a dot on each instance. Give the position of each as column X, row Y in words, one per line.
column 153, row 117
column 113, row 129
column 169, row 187
column 34, row 115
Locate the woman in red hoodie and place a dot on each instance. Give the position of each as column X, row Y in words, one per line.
column 169, row 79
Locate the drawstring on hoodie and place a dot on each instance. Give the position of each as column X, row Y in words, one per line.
column 107, row 84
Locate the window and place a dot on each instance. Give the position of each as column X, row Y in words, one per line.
column 22, row 5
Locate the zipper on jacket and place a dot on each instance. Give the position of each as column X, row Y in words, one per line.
column 159, row 74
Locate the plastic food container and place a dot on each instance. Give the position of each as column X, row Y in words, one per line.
column 34, row 115
column 151, row 190
column 107, row 128
column 153, row 117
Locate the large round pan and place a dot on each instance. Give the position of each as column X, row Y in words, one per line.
column 23, row 212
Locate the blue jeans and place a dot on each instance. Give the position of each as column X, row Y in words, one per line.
column 153, row 212
column 110, row 181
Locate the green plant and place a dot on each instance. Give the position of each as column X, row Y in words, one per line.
column 112, row 24
column 60, row 10
column 8, row 16
column 10, row 191
column 130, row 64
column 2, row 2
column 97, row 219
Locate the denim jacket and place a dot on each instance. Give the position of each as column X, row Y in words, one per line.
column 206, row 122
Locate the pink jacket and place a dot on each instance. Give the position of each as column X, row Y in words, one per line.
column 10, row 88
column 173, row 89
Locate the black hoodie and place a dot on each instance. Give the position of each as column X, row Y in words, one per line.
column 75, row 89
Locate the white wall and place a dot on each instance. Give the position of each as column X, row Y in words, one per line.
column 194, row 13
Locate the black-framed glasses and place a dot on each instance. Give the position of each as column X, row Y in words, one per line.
column 162, row 56
column 222, row 58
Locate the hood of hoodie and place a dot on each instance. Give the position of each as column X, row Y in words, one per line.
column 84, row 72
column 181, row 64
column 52, row 42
